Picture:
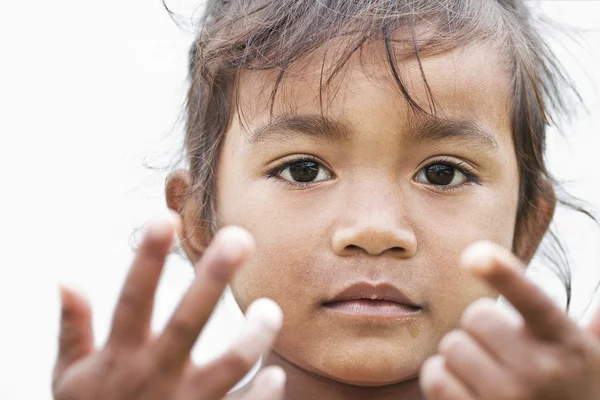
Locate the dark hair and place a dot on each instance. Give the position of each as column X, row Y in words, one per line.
column 237, row 35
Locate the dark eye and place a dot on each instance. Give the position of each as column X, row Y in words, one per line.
column 441, row 175
column 304, row 171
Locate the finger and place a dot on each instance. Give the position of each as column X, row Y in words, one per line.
column 76, row 339
column 133, row 312
column 437, row 383
column 227, row 252
column 472, row 365
column 269, row 384
column 263, row 322
column 504, row 272
column 594, row 325
column 498, row 331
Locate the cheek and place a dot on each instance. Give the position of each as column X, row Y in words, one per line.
column 282, row 230
column 293, row 240
column 290, row 241
column 443, row 235
column 294, row 263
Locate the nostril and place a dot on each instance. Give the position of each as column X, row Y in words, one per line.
column 395, row 249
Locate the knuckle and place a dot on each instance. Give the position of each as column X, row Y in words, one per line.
column 134, row 378
column 113, row 375
column 513, row 386
column 56, row 383
column 452, row 343
column 219, row 272
column 549, row 369
column 66, row 315
column 128, row 300
column 551, row 315
column 110, row 362
column 577, row 348
column 514, row 391
column 182, row 327
column 436, row 387
column 523, row 388
column 237, row 362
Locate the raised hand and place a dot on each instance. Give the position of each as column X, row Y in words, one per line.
column 136, row 365
column 538, row 354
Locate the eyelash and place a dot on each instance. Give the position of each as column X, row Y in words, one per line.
column 461, row 166
column 275, row 172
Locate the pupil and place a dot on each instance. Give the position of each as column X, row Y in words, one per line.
column 440, row 174
column 305, row 171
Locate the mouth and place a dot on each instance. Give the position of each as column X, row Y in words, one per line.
column 372, row 300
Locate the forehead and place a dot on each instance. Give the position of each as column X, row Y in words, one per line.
column 469, row 83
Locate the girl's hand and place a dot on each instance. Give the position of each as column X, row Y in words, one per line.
column 133, row 365
column 538, row 355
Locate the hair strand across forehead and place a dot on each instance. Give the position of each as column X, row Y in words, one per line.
column 266, row 35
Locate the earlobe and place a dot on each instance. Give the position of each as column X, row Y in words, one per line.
column 532, row 231
column 194, row 236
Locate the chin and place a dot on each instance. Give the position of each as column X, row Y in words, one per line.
column 375, row 379
column 370, row 366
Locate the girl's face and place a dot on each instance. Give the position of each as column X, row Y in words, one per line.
column 374, row 193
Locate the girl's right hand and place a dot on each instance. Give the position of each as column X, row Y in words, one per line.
column 135, row 365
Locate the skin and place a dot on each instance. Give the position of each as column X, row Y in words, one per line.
column 539, row 354
column 135, row 365
column 372, row 219
column 533, row 354
column 374, row 204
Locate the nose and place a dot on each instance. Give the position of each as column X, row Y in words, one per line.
column 375, row 232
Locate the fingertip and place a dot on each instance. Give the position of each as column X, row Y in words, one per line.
column 175, row 219
column 480, row 257
column 277, row 377
column 70, row 296
column 233, row 243
column 268, row 312
column 164, row 224
column 430, row 369
column 237, row 234
column 436, row 381
column 64, row 295
column 272, row 379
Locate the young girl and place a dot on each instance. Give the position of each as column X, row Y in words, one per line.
column 344, row 156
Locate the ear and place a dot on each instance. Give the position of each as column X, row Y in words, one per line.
column 194, row 235
column 531, row 231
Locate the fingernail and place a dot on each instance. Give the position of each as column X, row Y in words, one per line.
column 68, row 290
column 478, row 256
column 234, row 242
column 268, row 312
column 162, row 225
column 277, row 377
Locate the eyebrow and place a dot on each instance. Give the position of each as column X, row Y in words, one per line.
column 430, row 129
column 434, row 129
column 315, row 125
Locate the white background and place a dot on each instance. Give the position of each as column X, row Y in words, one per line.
column 89, row 91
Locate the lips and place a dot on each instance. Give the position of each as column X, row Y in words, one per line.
column 384, row 292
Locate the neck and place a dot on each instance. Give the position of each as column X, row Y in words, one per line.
column 304, row 385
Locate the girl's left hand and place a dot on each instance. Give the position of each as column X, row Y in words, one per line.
column 497, row 354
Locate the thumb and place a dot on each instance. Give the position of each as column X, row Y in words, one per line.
column 75, row 338
column 594, row 325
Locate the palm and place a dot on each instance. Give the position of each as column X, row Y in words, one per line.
column 132, row 365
